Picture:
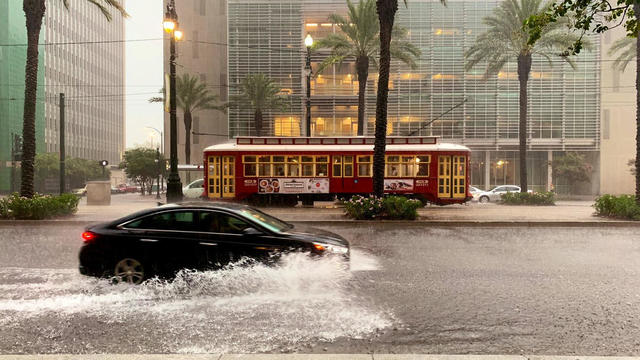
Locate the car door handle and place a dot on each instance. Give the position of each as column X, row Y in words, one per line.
column 208, row 243
column 149, row 240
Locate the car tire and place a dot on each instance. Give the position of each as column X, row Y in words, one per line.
column 483, row 199
column 129, row 270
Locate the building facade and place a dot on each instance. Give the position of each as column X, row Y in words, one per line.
column 12, row 66
column 85, row 60
column 618, row 144
column 90, row 71
column 202, row 53
column 436, row 98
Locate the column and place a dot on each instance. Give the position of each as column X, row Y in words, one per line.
column 549, row 170
column 487, row 170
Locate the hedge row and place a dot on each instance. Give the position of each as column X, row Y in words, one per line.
column 389, row 207
column 526, row 198
column 623, row 206
column 39, row 207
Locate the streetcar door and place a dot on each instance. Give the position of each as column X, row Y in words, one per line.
column 452, row 179
column 343, row 172
column 221, row 176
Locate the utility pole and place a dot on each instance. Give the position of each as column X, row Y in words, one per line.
column 62, row 145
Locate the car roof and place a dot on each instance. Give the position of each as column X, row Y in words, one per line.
column 234, row 207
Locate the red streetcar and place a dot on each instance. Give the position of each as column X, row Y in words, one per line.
column 272, row 170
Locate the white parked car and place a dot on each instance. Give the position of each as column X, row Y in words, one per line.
column 194, row 190
column 495, row 193
column 475, row 192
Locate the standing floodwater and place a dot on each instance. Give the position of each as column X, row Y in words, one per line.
column 243, row 308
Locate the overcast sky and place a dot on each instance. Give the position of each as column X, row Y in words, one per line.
column 144, row 70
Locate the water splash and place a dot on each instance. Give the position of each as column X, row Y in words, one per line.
column 246, row 307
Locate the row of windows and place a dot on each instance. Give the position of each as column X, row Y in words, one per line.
column 343, row 165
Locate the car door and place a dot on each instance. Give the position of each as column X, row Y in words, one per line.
column 228, row 238
column 195, row 189
column 496, row 194
column 168, row 240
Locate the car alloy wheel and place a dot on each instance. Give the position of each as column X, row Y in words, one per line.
column 129, row 271
column 484, row 199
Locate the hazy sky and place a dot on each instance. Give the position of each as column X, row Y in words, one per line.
column 144, row 70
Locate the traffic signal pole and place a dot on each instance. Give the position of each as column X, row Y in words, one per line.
column 62, row 146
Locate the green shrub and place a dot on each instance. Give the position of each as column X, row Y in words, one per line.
column 623, row 206
column 363, row 208
column 39, row 207
column 399, row 207
column 536, row 198
column 390, row 207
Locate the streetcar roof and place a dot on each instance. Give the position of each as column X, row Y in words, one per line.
column 232, row 146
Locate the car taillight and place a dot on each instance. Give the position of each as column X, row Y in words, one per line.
column 318, row 247
column 88, row 236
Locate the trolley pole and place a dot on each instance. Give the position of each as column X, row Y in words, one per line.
column 62, row 145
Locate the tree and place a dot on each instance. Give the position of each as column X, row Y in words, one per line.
column 596, row 16
column 507, row 39
column 192, row 95
column 261, row 94
column 572, row 167
column 34, row 11
column 78, row 171
column 142, row 166
column 360, row 40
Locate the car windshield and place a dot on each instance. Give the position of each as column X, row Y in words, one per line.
column 268, row 221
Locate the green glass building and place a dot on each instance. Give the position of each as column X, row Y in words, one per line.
column 12, row 64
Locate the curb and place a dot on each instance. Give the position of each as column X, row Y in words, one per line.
column 370, row 223
column 305, row 357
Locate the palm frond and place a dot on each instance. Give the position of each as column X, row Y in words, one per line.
column 626, row 49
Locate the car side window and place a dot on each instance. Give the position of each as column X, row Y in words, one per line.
column 174, row 220
column 218, row 222
column 499, row 189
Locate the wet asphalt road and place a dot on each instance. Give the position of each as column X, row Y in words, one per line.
column 427, row 290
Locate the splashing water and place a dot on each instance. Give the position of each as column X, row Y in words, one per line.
column 246, row 307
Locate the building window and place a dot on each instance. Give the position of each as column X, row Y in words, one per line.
column 195, row 46
column 606, row 124
column 286, row 126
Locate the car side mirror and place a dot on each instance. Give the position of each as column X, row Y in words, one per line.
column 251, row 231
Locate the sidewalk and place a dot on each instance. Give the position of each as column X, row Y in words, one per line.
column 563, row 212
column 306, row 357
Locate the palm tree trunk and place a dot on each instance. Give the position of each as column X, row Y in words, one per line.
column 187, row 141
column 524, row 68
column 636, row 9
column 362, row 67
column 386, row 15
column 34, row 12
column 257, row 119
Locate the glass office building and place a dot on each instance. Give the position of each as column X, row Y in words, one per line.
column 436, row 98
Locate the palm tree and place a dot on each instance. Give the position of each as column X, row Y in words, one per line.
column 259, row 93
column 506, row 40
column 34, row 11
column 360, row 40
column 192, row 95
column 627, row 50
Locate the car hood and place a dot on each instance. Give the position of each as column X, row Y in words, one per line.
column 308, row 233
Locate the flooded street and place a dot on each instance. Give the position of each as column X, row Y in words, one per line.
column 431, row 290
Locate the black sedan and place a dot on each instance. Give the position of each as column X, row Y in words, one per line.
column 202, row 236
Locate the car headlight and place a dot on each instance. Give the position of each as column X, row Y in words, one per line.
column 334, row 249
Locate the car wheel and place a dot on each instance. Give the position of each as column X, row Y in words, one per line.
column 484, row 199
column 129, row 270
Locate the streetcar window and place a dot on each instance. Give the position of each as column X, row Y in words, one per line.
column 322, row 166
column 278, row 169
column 364, row 166
column 348, row 166
column 264, row 169
column 392, row 166
column 293, row 170
column 422, row 164
column 307, row 169
column 264, row 159
column 278, row 159
column 250, row 167
column 307, row 159
column 337, row 166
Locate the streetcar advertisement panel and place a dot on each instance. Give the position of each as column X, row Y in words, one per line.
column 293, row 186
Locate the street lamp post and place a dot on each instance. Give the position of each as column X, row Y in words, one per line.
column 161, row 152
column 308, row 42
column 158, row 169
column 174, row 186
